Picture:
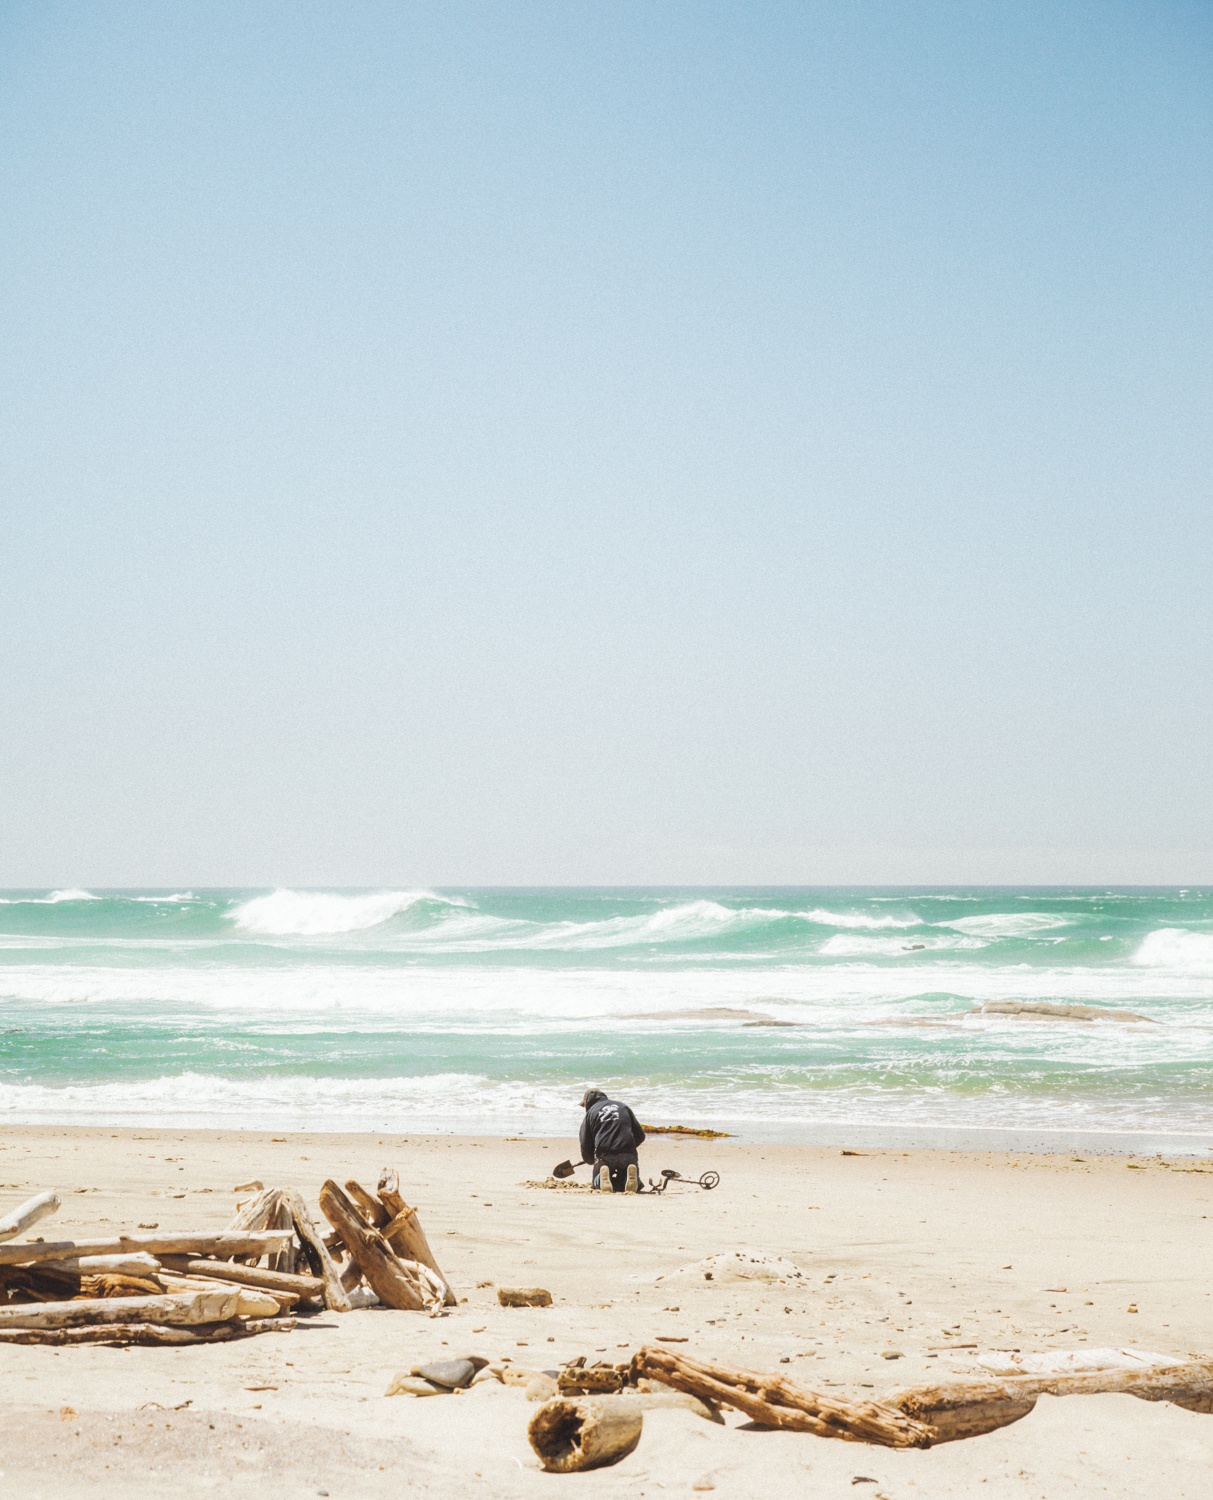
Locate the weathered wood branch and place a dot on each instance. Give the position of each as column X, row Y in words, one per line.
column 585, row 1433
column 219, row 1242
column 404, row 1232
column 320, row 1262
column 966, row 1408
column 384, row 1273
column 27, row 1214
column 368, row 1205
column 193, row 1307
column 777, row 1402
column 258, row 1276
column 147, row 1333
column 138, row 1263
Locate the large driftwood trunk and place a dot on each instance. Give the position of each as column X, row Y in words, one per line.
column 966, row 1408
column 384, row 1273
column 147, row 1333
column 221, row 1242
column 269, row 1210
column 192, row 1307
column 588, row 1432
column 27, row 1214
column 258, row 1276
column 319, row 1261
column 776, row 1402
column 404, row 1232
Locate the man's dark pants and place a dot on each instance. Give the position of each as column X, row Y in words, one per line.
column 617, row 1163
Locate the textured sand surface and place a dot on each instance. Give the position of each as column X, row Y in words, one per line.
column 902, row 1255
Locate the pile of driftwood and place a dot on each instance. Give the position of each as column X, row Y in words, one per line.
column 210, row 1286
column 595, row 1419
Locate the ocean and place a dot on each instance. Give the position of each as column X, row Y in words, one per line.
column 782, row 1014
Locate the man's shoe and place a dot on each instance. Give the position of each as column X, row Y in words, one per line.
column 633, row 1180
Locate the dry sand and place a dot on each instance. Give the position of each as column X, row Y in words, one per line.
column 908, row 1254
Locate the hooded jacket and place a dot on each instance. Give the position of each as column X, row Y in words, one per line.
column 609, row 1128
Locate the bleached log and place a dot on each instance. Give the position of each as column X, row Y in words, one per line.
column 966, row 1408
column 777, row 1402
column 147, row 1333
column 258, row 1276
column 586, row 1433
column 194, row 1307
column 404, row 1232
column 384, row 1273
column 139, row 1263
column 27, row 1214
column 269, row 1210
column 336, row 1299
column 218, row 1242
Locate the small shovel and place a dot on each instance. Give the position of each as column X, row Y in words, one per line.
column 567, row 1168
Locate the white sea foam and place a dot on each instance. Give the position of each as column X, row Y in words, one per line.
column 56, row 898
column 1008, row 924
column 768, row 1107
column 176, row 899
column 317, row 914
column 859, row 919
column 845, row 945
column 1178, row 949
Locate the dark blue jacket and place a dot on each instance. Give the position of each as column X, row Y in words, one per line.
column 609, row 1129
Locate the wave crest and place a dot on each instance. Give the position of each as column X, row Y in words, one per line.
column 319, row 914
column 859, row 919
column 1177, row 948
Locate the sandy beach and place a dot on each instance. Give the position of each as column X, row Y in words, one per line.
column 913, row 1266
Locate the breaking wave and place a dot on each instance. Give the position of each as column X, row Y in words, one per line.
column 1176, row 948
column 316, row 914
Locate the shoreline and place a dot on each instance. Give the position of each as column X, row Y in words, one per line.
column 993, row 1139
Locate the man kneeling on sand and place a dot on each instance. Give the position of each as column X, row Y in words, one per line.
column 610, row 1134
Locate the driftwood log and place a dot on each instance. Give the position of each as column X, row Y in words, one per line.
column 270, row 1209
column 404, row 1232
column 187, row 1308
column 319, row 1261
column 966, row 1408
column 27, row 1214
column 138, row 1263
column 147, row 1333
column 777, row 1402
column 570, row 1434
column 386, row 1275
column 220, row 1242
column 258, row 1276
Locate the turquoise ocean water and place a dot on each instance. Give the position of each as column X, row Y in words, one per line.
column 490, row 1010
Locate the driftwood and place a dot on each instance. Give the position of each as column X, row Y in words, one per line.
column 777, row 1402
column 221, row 1242
column 138, row 1263
column 385, row 1274
column 147, row 1333
column 372, row 1210
column 404, row 1232
column 193, row 1307
column 269, row 1210
column 587, row 1433
column 258, row 1276
column 319, row 1261
column 27, row 1214
column 966, row 1408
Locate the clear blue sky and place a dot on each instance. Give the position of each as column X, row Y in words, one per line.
column 614, row 442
